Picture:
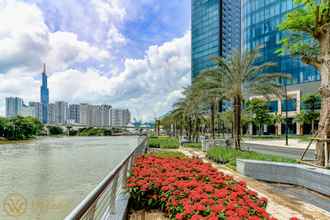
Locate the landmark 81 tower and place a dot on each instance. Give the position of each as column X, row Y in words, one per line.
column 44, row 96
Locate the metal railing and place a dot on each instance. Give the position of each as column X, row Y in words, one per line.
column 211, row 143
column 109, row 199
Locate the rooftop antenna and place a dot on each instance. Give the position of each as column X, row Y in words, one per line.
column 44, row 67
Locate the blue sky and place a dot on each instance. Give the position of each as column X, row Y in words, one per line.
column 131, row 54
column 145, row 23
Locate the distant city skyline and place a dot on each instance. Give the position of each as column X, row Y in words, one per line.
column 62, row 112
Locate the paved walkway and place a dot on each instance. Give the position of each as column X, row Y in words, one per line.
column 279, row 205
column 293, row 143
column 147, row 216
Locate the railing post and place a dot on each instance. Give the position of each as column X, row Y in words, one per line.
column 91, row 212
column 113, row 195
column 124, row 179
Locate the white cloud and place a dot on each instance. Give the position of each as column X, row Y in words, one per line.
column 147, row 86
column 26, row 42
column 109, row 10
column 115, row 38
column 23, row 35
column 66, row 50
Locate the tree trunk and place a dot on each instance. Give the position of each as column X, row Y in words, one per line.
column 181, row 129
column 190, row 129
column 237, row 122
column 213, row 119
column 158, row 128
column 324, row 124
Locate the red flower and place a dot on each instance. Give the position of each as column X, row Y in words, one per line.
column 179, row 216
column 196, row 217
column 191, row 189
column 243, row 212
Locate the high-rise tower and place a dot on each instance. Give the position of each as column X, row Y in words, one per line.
column 260, row 20
column 215, row 31
column 44, row 96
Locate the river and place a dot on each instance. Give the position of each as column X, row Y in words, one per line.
column 45, row 178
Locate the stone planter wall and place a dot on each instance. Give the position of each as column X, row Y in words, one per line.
column 316, row 179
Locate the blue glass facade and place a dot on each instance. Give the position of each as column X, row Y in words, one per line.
column 292, row 105
column 260, row 20
column 215, row 31
column 272, row 106
column 44, row 97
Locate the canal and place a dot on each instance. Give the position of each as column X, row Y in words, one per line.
column 46, row 178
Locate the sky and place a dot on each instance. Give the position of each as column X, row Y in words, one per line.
column 127, row 53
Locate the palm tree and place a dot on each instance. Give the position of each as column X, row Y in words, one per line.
column 189, row 112
column 239, row 76
column 301, row 118
column 277, row 119
column 210, row 93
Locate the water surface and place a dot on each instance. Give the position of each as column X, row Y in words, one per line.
column 52, row 175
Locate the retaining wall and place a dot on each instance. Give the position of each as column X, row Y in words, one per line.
column 316, row 179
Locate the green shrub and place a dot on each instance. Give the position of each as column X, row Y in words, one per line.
column 228, row 156
column 164, row 142
column 73, row 132
column 95, row 132
column 193, row 145
column 20, row 128
column 168, row 154
column 54, row 130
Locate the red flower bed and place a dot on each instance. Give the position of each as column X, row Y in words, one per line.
column 190, row 189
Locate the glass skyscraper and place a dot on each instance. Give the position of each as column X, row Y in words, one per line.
column 44, row 97
column 216, row 31
column 260, row 22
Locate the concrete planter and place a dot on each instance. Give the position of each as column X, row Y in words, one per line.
column 316, row 179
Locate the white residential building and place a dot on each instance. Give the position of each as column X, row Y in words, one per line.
column 120, row 117
column 51, row 113
column 14, row 106
column 84, row 113
column 105, row 116
column 74, row 113
column 61, row 112
column 28, row 111
column 37, row 110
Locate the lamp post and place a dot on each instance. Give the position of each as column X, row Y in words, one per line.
column 286, row 115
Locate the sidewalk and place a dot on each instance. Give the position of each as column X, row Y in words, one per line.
column 279, row 205
column 293, row 143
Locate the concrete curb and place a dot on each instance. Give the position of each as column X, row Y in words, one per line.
column 315, row 179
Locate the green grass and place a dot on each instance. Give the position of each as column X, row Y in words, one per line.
column 305, row 137
column 164, row 142
column 3, row 141
column 228, row 156
column 193, row 145
column 168, row 154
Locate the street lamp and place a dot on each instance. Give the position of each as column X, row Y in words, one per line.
column 286, row 115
